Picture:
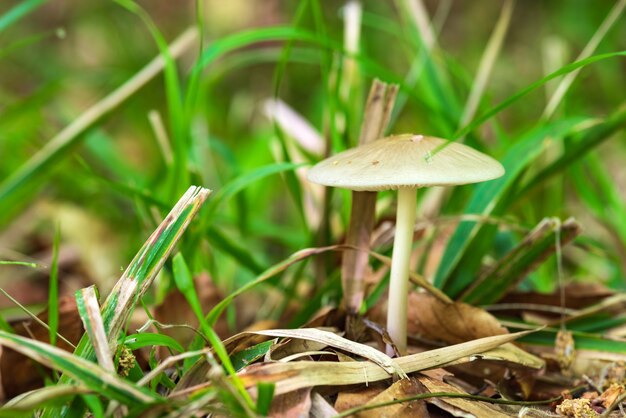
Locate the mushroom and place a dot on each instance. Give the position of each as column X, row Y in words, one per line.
column 404, row 163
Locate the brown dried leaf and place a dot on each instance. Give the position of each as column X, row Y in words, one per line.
column 349, row 399
column 294, row 404
column 320, row 408
column 610, row 395
column 459, row 406
column 404, row 388
column 450, row 322
column 17, row 372
column 334, row 340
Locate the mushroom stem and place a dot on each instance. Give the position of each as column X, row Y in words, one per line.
column 399, row 280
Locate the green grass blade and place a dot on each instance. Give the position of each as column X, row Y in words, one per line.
column 580, row 146
column 217, row 310
column 538, row 245
column 591, row 46
column 180, row 174
column 241, row 182
column 39, row 398
column 486, row 196
column 184, row 282
column 144, row 267
column 17, row 190
column 18, row 12
column 265, row 394
column 89, row 311
column 53, row 288
column 83, row 371
column 149, row 339
column 523, row 92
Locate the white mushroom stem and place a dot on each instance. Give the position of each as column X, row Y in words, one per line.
column 399, row 281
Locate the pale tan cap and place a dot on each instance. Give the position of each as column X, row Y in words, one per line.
column 405, row 161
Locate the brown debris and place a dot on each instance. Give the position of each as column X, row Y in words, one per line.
column 576, row 408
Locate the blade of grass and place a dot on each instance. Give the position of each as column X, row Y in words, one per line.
column 39, row 398
column 579, row 146
column 178, row 124
column 184, row 282
column 53, row 288
column 538, row 245
column 21, row 183
column 487, row 61
column 591, row 46
column 241, row 182
column 494, row 197
column 526, row 90
column 144, row 268
column 89, row 311
column 86, row 372
column 150, row 339
column 18, row 12
column 265, row 394
column 31, row 315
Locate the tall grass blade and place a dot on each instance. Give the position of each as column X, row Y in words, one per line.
column 19, row 11
column 487, row 61
column 178, row 124
column 17, row 190
column 591, row 46
column 53, row 288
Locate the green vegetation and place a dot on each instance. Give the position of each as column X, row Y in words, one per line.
column 178, row 135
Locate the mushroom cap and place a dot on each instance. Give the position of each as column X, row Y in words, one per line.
column 405, row 161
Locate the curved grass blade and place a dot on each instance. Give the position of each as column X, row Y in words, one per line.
column 143, row 269
column 18, row 12
column 578, row 147
column 39, row 398
column 18, row 189
column 86, row 372
column 300, row 374
column 538, row 245
column 241, row 182
column 458, row 268
column 523, row 92
column 217, row 310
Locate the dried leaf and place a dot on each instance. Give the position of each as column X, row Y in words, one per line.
column 401, row 389
column 459, row 406
column 17, row 372
column 450, row 322
column 294, row 404
column 320, row 408
column 300, row 374
column 610, row 395
column 353, row 398
column 334, row 340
